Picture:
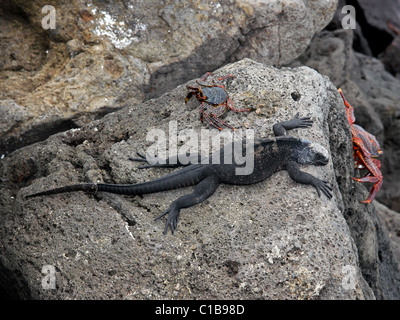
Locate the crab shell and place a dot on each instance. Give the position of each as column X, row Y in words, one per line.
column 368, row 141
column 214, row 95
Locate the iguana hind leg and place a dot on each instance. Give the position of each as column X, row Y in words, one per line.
column 202, row 191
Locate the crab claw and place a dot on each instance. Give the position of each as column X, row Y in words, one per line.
column 366, row 201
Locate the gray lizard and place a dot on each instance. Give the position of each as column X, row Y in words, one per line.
column 270, row 156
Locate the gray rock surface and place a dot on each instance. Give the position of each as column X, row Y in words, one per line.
column 374, row 93
column 102, row 53
column 379, row 14
column 272, row 240
column 391, row 57
column 391, row 224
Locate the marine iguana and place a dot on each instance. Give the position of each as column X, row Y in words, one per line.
column 270, row 156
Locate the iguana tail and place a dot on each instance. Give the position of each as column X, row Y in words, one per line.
column 185, row 177
column 87, row 187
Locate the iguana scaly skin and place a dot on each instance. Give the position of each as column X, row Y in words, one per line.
column 270, row 156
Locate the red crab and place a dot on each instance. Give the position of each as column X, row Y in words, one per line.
column 214, row 100
column 366, row 150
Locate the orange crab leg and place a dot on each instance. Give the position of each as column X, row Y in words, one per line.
column 374, row 175
column 373, row 165
column 226, row 77
column 230, row 105
column 211, row 122
column 224, row 123
column 201, row 110
column 189, row 95
column 368, row 178
column 205, row 76
column 349, row 109
column 218, row 120
column 373, row 192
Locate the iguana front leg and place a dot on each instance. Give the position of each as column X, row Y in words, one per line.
column 172, row 162
column 202, row 191
column 305, row 178
column 280, row 128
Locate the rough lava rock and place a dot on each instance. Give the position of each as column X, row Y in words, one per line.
column 272, row 240
column 380, row 14
column 372, row 91
column 102, row 53
column 391, row 56
column 391, row 224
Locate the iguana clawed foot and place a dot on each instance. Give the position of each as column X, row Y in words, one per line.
column 173, row 218
column 322, row 185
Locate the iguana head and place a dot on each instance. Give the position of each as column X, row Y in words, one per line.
column 311, row 153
